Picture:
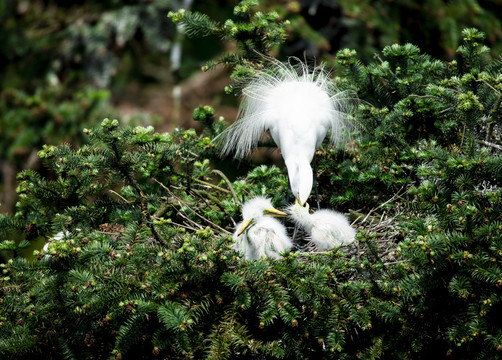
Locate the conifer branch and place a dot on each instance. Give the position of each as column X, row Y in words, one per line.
column 493, row 117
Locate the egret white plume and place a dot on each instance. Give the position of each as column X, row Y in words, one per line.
column 327, row 228
column 298, row 106
column 260, row 233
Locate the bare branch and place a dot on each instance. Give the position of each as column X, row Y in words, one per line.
column 185, row 204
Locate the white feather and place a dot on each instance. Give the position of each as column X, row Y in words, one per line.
column 298, row 106
column 327, row 228
column 265, row 236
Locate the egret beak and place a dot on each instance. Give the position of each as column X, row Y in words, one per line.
column 306, row 205
column 245, row 225
column 274, row 212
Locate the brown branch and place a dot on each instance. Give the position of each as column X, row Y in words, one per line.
column 487, row 84
column 224, row 177
column 498, row 147
column 185, row 204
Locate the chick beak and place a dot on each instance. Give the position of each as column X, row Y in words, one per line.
column 274, row 212
column 245, row 225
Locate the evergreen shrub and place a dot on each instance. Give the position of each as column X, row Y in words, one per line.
column 139, row 262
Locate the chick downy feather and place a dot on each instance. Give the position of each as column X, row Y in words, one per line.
column 264, row 236
column 298, row 106
column 327, row 228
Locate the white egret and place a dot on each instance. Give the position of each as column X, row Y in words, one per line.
column 298, row 106
column 260, row 233
column 327, row 228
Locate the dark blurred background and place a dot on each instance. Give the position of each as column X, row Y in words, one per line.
column 67, row 65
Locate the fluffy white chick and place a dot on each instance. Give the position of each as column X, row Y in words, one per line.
column 260, row 233
column 327, row 228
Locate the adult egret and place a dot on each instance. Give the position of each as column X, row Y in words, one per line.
column 260, row 233
column 298, row 106
column 327, row 228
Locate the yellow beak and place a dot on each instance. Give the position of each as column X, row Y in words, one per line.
column 302, row 205
column 274, row 212
column 245, row 225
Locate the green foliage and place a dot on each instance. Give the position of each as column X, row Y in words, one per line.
column 49, row 116
column 254, row 32
column 54, row 59
column 410, row 97
column 428, row 139
column 112, row 293
column 431, row 24
column 454, row 251
column 429, row 130
column 53, row 42
column 139, row 262
column 83, row 192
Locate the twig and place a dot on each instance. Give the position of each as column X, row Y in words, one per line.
column 185, row 204
column 491, row 87
column 183, row 216
column 186, row 226
column 463, row 136
column 383, row 204
column 130, row 179
column 498, row 147
column 394, row 262
column 211, row 185
column 424, row 96
column 183, row 225
column 218, row 203
column 224, row 177
column 492, row 114
column 120, row 196
column 161, row 211
column 203, row 194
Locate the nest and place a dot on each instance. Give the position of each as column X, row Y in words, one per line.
column 382, row 228
column 380, row 224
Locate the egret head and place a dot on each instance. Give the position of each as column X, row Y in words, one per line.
column 300, row 177
column 300, row 214
column 256, row 208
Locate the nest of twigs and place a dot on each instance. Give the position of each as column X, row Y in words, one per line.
column 381, row 223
